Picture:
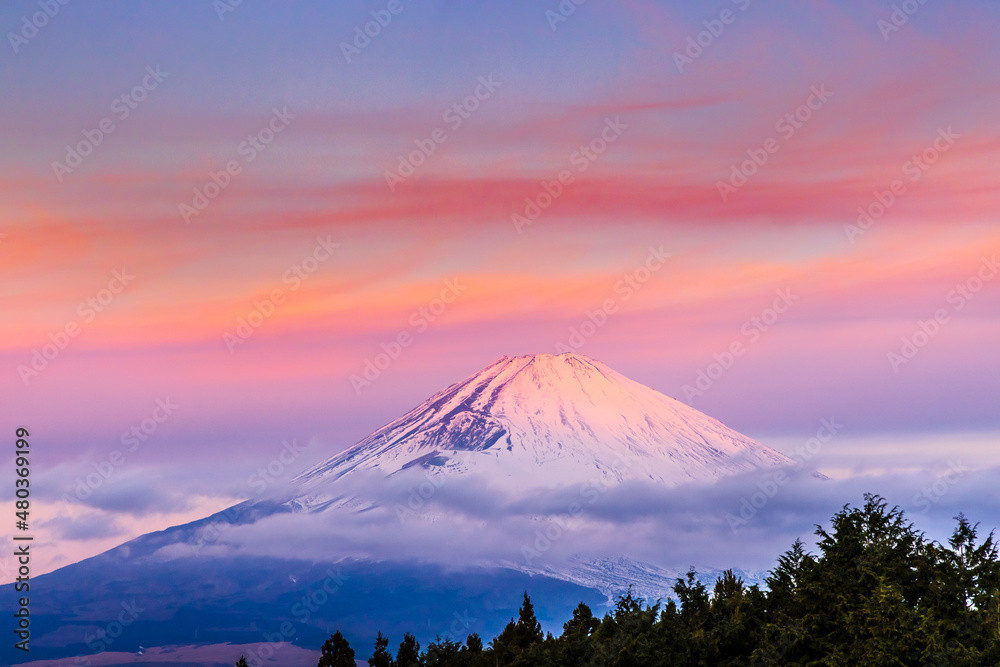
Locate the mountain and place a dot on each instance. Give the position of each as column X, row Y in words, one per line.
column 500, row 451
column 544, row 421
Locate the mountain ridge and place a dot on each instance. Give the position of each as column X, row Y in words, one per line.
column 520, row 434
column 543, row 420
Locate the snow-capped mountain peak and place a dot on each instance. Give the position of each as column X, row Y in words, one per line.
column 545, row 421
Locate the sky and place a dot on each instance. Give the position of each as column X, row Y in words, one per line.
column 239, row 233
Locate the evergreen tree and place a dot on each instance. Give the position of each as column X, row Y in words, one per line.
column 876, row 592
column 408, row 654
column 733, row 620
column 582, row 623
column 336, row 652
column 473, row 643
column 518, row 636
column 871, row 571
column 473, row 654
column 442, row 653
column 381, row 657
column 528, row 630
column 693, row 597
column 501, row 647
column 242, row 662
column 784, row 580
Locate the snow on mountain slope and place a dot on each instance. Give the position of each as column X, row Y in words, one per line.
column 515, row 442
column 545, row 421
column 613, row 576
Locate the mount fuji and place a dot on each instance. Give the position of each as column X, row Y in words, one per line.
column 486, row 450
column 541, row 422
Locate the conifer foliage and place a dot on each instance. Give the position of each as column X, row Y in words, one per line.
column 875, row 592
column 336, row 652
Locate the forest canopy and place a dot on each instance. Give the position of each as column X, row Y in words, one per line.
column 875, row 592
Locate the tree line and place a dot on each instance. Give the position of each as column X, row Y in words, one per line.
column 876, row 592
